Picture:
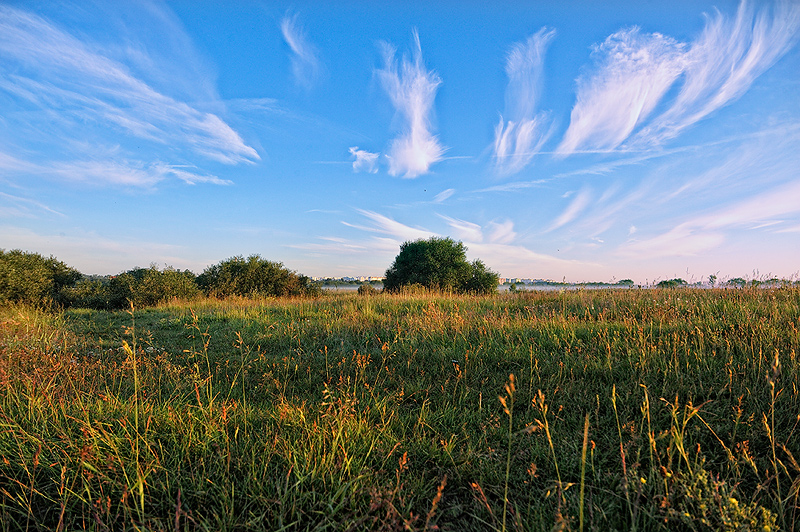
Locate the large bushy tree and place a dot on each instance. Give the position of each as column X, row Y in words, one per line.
column 253, row 277
column 439, row 264
column 147, row 287
column 33, row 279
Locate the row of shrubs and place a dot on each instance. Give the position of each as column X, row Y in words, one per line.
column 33, row 279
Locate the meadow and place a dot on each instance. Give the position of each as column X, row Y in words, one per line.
column 652, row 409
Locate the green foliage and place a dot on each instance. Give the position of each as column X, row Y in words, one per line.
column 33, row 279
column 672, row 283
column 146, row 287
column 367, row 290
column 254, row 277
column 641, row 410
column 626, row 282
column 88, row 293
column 439, row 264
column 703, row 502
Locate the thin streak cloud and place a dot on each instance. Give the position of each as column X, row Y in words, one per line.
column 306, row 66
column 575, row 207
column 518, row 139
column 412, row 88
column 464, row 230
column 709, row 231
column 444, row 195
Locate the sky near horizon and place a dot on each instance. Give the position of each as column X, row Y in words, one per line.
column 579, row 140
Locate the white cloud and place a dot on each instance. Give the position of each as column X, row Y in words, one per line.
column 190, row 178
column 395, row 229
column 19, row 207
column 632, row 73
column 576, row 206
column 464, row 230
column 364, row 161
column 706, row 232
column 515, row 186
column 412, row 90
column 502, row 232
column 124, row 172
column 444, row 195
column 11, row 163
column 80, row 83
column 517, row 140
column 305, row 63
column 724, row 60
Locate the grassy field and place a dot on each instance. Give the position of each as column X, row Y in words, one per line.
column 577, row 410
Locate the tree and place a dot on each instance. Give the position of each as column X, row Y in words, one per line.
column 254, row 277
column 439, row 264
column 31, row 278
column 147, row 287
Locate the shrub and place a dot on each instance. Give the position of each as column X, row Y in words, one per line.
column 367, row 290
column 672, row 283
column 147, row 287
column 254, row 277
column 88, row 293
column 33, row 279
column 439, row 264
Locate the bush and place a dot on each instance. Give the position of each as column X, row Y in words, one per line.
column 33, row 279
column 254, row 277
column 367, row 290
column 147, row 287
column 672, row 283
column 439, row 264
column 89, row 293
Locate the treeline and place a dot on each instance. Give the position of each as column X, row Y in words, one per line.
column 31, row 278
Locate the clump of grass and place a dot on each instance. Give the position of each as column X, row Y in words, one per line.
column 640, row 409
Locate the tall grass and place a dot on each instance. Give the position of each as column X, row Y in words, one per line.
column 629, row 409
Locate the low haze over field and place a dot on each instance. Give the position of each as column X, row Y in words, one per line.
column 575, row 140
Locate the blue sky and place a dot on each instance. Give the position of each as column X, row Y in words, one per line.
column 563, row 140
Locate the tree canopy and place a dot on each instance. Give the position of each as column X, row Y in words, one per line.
column 439, row 264
column 31, row 278
column 253, row 276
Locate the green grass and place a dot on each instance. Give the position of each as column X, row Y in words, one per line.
column 627, row 410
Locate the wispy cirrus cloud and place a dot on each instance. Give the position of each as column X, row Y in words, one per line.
column 12, row 206
column 364, row 161
column 444, row 195
column 771, row 209
column 725, row 60
column 575, row 207
column 76, row 83
column 502, row 232
column 518, row 139
column 632, row 73
column 492, row 243
column 412, row 88
column 471, row 232
column 125, row 172
column 388, row 226
column 306, row 66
